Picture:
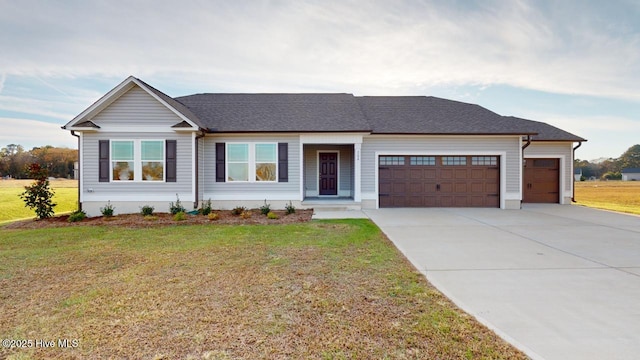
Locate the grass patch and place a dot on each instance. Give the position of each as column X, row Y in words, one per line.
column 12, row 207
column 325, row 289
column 623, row 196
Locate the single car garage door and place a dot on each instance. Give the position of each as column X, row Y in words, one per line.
column 439, row 181
column 541, row 181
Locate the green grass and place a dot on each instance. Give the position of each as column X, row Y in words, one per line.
column 326, row 289
column 12, row 207
column 622, row 196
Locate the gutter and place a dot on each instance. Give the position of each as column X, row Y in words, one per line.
column 573, row 195
column 196, row 172
column 73, row 133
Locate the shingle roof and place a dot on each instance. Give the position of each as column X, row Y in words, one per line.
column 277, row 112
column 631, row 171
column 545, row 131
column 431, row 115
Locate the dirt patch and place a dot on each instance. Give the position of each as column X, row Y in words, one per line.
column 165, row 219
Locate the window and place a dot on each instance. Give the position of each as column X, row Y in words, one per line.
column 484, row 160
column 391, row 160
column 137, row 160
column 454, row 160
column 422, row 160
column 252, row 162
column 122, row 160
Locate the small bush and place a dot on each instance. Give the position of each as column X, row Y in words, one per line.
column 150, row 218
column 272, row 215
column 290, row 208
column 238, row 210
column 107, row 210
column 147, row 210
column 245, row 214
column 206, row 208
column 180, row 216
column 265, row 209
column 77, row 215
column 177, row 207
column 213, row 216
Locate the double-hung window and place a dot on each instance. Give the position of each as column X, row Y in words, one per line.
column 252, row 162
column 137, row 160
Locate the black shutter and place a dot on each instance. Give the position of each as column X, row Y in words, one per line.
column 103, row 160
column 220, row 155
column 171, row 160
column 283, row 162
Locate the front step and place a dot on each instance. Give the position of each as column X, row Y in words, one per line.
column 331, row 205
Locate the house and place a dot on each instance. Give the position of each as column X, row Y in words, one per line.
column 139, row 146
column 577, row 174
column 631, row 174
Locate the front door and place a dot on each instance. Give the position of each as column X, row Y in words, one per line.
column 328, row 166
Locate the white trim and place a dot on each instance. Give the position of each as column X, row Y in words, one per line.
column 116, row 93
column 501, row 154
column 80, row 168
column 337, row 171
column 251, row 161
column 137, row 162
column 184, row 197
column 194, row 165
column 244, row 196
column 357, row 172
column 301, row 156
column 137, row 129
column 521, row 170
column 332, row 138
column 561, row 173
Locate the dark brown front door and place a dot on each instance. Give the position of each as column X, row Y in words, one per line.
column 541, row 181
column 439, row 181
column 328, row 173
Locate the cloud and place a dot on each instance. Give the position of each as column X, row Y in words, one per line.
column 31, row 133
column 372, row 47
column 3, row 78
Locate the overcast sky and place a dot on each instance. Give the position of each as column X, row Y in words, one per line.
column 573, row 64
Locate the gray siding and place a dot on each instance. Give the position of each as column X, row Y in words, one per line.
column 252, row 190
column 345, row 172
column 438, row 144
column 553, row 150
column 120, row 189
column 136, row 108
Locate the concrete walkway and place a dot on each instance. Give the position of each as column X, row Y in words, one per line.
column 557, row 281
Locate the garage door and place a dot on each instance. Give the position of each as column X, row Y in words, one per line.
column 541, row 181
column 439, row 181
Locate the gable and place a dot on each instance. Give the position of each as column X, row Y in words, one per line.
column 135, row 109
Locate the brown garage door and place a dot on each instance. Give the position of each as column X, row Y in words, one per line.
column 439, row 181
column 541, row 181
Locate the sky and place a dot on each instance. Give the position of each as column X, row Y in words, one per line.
column 574, row 64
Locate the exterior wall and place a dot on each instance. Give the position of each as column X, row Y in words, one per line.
column 135, row 116
column 345, row 171
column 631, row 176
column 508, row 147
column 562, row 151
column 252, row 192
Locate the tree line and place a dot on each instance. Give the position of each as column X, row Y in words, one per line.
column 610, row 169
column 59, row 162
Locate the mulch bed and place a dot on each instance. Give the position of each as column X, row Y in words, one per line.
column 165, row 219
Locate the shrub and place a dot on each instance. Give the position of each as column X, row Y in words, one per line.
column 238, row 210
column 177, row 207
column 38, row 195
column 180, row 216
column 272, row 215
column 245, row 214
column 265, row 209
column 107, row 210
column 150, row 218
column 77, row 215
column 290, row 208
column 147, row 210
column 206, row 208
column 213, row 216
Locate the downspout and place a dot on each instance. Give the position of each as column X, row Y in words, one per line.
column 196, row 172
column 573, row 196
column 522, row 166
column 73, row 133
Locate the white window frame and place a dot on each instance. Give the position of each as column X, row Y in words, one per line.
column 252, row 162
column 137, row 162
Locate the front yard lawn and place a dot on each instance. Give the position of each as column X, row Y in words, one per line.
column 322, row 290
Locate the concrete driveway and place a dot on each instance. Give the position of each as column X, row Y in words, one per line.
column 557, row 281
